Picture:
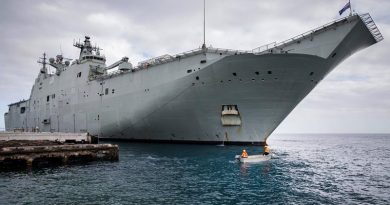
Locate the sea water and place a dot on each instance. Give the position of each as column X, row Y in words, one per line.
column 304, row 169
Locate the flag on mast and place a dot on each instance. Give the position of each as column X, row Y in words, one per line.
column 347, row 6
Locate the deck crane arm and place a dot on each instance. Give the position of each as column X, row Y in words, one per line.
column 124, row 61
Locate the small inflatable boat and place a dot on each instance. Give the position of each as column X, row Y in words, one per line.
column 253, row 158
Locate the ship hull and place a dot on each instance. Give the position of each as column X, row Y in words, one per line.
column 209, row 96
column 264, row 88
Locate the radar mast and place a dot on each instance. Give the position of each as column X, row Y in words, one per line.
column 86, row 48
column 42, row 60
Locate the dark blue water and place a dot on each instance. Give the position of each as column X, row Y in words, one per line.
column 309, row 169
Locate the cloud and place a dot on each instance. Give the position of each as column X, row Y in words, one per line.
column 353, row 98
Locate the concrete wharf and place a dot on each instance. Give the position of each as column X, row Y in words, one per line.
column 29, row 150
column 50, row 136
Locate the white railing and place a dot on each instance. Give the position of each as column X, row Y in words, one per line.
column 156, row 60
column 296, row 38
column 168, row 58
column 264, row 47
column 366, row 18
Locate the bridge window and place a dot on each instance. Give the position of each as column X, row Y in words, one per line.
column 48, row 98
column 22, row 110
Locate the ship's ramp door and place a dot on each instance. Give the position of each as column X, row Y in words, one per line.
column 230, row 115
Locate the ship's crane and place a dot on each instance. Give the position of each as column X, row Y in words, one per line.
column 122, row 65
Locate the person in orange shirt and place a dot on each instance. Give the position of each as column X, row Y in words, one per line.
column 267, row 150
column 244, row 154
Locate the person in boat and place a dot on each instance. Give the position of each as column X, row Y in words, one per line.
column 244, row 154
column 266, row 150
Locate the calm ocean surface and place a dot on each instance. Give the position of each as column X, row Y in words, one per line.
column 305, row 169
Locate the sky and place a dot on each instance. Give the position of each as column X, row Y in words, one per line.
column 353, row 98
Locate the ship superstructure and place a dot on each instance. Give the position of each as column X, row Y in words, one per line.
column 206, row 95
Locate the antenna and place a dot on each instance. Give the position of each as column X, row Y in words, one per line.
column 350, row 8
column 204, row 25
column 43, row 62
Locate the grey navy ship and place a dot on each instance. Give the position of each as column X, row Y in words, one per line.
column 206, row 95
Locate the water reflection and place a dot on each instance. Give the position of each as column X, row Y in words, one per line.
column 263, row 168
column 327, row 169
